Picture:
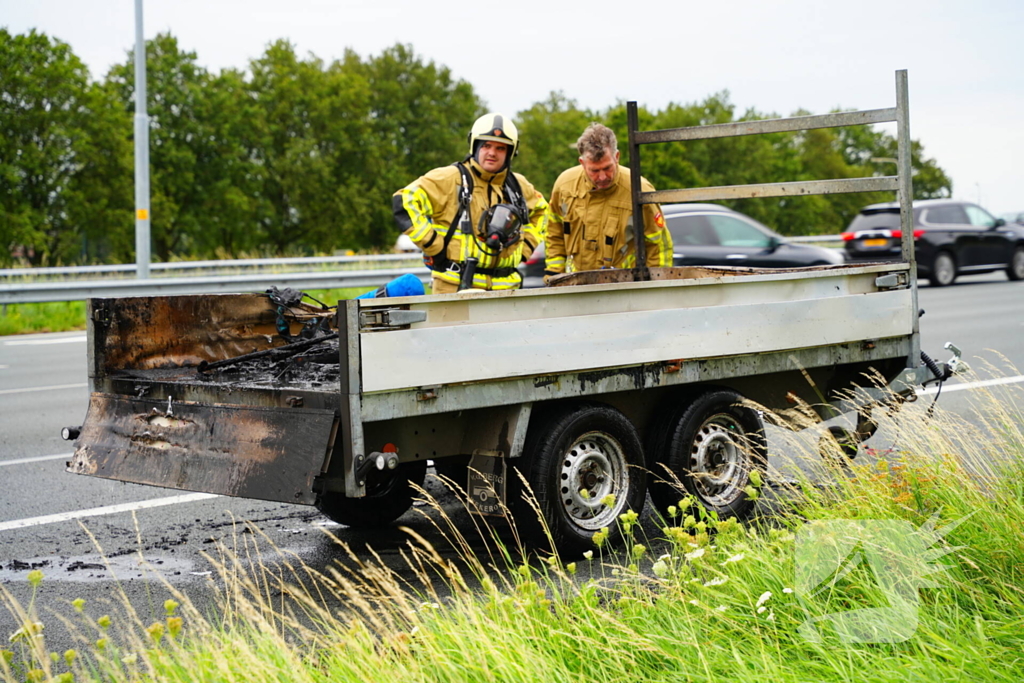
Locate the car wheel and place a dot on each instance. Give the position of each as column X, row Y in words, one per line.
column 1015, row 271
column 388, row 495
column 943, row 270
column 713, row 445
column 585, row 465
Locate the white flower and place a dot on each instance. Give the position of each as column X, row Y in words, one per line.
column 660, row 569
column 764, row 598
column 666, row 556
column 694, row 603
column 720, row 608
column 718, row 581
column 734, row 558
column 771, row 616
column 761, row 609
column 589, row 555
column 699, row 552
column 787, row 590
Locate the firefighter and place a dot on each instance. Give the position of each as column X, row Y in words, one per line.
column 591, row 223
column 475, row 220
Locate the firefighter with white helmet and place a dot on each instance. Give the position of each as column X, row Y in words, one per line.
column 475, row 220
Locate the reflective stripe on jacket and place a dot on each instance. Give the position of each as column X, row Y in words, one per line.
column 425, row 209
column 592, row 229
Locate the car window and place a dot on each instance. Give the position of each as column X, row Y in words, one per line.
column 979, row 216
column 884, row 220
column 733, row 232
column 951, row 214
column 691, row 230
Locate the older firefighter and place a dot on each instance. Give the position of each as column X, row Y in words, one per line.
column 475, row 220
column 591, row 225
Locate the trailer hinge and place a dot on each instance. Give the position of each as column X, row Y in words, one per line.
column 892, row 281
column 390, row 318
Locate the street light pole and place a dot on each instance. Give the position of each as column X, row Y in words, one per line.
column 142, row 248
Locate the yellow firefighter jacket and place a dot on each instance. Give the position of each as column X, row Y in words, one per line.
column 425, row 208
column 591, row 229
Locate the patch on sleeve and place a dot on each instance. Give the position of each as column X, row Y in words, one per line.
column 658, row 220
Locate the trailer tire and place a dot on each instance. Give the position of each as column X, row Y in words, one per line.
column 710, row 447
column 388, row 495
column 585, row 446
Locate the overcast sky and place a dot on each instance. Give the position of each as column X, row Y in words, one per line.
column 965, row 59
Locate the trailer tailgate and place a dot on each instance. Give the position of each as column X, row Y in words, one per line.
column 247, row 451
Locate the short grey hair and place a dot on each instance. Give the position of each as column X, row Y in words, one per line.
column 597, row 141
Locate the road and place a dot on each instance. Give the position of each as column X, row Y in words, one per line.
column 44, row 512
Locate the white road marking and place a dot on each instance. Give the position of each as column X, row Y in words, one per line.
column 974, row 385
column 41, row 458
column 106, row 510
column 50, row 388
column 37, row 341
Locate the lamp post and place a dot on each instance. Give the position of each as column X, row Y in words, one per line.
column 142, row 247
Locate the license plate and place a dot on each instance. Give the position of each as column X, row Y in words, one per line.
column 876, row 243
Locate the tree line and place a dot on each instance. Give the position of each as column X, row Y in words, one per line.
column 295, row 156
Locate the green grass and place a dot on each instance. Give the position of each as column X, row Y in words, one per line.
column 702, row 600
column 58, row 316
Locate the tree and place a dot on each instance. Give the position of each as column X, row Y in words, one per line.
column 548, row 132
column 43, row 88
column 420, row 116
column 175, row 85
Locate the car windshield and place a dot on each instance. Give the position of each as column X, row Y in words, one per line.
column 876, row 220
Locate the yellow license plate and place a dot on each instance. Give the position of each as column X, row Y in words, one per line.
column 876, row 243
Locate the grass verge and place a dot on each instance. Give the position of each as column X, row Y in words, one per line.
column 937, row 528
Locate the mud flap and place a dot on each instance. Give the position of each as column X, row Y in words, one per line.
column 246, row 451
column 486, row 484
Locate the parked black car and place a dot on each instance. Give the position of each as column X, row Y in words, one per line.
column 951, row 238
column 712, row 235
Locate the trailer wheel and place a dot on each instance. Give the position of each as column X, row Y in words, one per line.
column 574, row 461
column 711, row 446
column 388, row 495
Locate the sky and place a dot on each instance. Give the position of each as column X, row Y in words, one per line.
column 965, row 60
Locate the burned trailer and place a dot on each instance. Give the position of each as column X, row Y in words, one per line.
column 582, row 389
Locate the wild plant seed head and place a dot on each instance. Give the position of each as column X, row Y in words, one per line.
column 174, row 625
column 169, row 607
column 660, row 569
column 755, row 478
column 609, row 500
column 638, row 551
column 589, row 555
column 35, row 577
column 673, row 511
column 104, row 622
column 70, row 656
column 156, row 631
column 584, row 494
column 78, row 604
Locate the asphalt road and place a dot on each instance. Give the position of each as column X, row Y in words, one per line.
column 89, row 536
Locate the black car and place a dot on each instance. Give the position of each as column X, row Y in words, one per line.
column 712, row 235
column 951, row 238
